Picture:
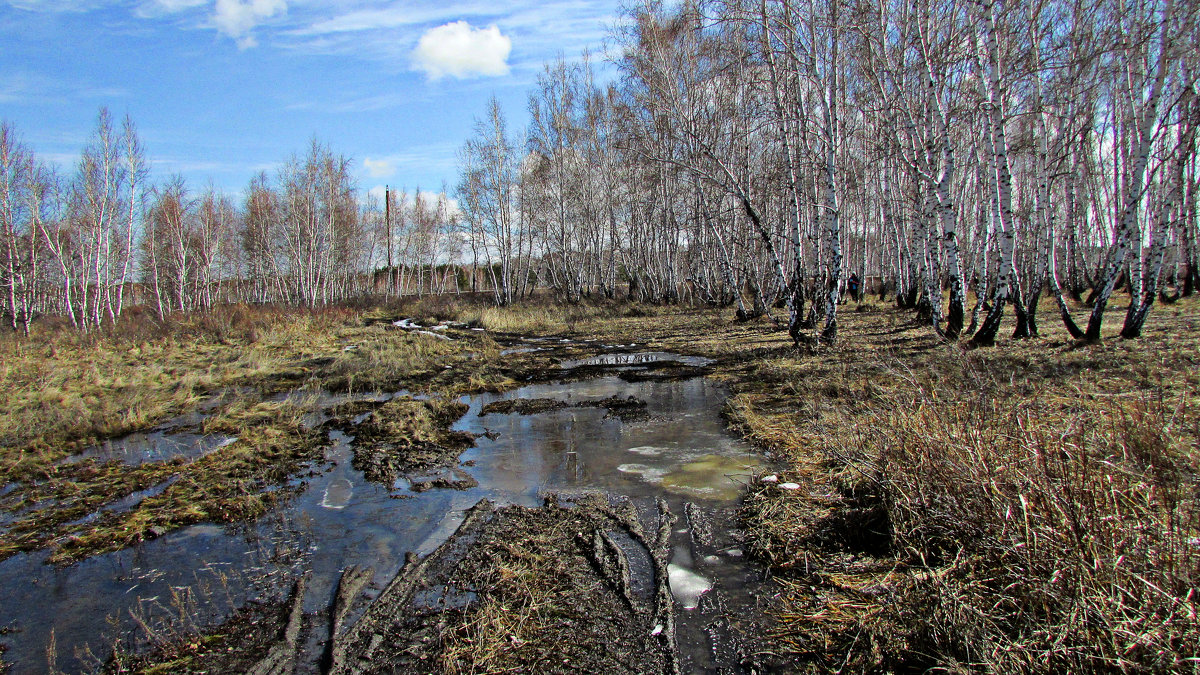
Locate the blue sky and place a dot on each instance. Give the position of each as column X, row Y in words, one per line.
column 222, row 89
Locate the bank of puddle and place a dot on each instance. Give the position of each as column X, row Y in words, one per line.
column 680, row 452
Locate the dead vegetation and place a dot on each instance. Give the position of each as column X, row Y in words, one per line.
column 403, row 435
column 1029, row 508
column 628, row 409
column 63, row 392
column 1026, row 508
column 237, row 482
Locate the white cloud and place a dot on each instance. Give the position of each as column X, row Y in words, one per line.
column 379, row 168
column 462, row 51
column 157, row 9
column 415, row 160
column 237, row 18
column 56, row 5
column 377, row 192
column 178, row 5
column 428, row 196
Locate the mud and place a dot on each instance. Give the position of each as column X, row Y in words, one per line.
column 523, row 406
column 260, row 638
column 521, row 589
column 402, row 436
column 627, row 409
column 595, row 583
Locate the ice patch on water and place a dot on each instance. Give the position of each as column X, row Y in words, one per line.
column 648, row 450
column 687, row 586
column 648, row 473
column 337, row 494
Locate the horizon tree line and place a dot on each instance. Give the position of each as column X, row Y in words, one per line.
column 88, row 245
column 958, row 156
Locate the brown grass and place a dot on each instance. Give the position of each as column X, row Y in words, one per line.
column 1026, row 508
column 228, row 485
column 63, row 390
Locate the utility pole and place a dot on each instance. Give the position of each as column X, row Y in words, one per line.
column 387, row 219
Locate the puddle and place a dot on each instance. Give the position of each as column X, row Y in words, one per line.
column 338, row 494
column 154, row 446
column 637, row 359
column 681, row 452
column 521, row 350
column 713, row 476
column 647, row 473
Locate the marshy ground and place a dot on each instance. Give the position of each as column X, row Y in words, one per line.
column 1028, row 507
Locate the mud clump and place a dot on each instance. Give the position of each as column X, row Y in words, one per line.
column 403, row 436
column 519, row 589
column 626, row 409
column 523, row 406
column 458, row 481
column 664, row 372
column 629, row 409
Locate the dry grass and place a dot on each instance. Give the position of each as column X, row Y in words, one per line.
column 521, row 604
column 1024, row 508
column 231, row 484
column 62, row 390
column 1060, row 541
column 1027, row 508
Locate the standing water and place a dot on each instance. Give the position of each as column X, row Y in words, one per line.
column 678, row 450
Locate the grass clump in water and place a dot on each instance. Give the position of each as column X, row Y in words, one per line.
column 403, row 435
column 237, row 482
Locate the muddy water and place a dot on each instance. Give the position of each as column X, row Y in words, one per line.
column 637, row 358
column 681, row 451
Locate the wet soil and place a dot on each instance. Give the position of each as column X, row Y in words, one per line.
column 523, row 406
column 402, row 436
column 627, row 409
column 237, row 646
column 331, row 500
column 518, row 589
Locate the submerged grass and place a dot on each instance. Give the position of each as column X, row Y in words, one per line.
column 235, row 483
column 63, row 392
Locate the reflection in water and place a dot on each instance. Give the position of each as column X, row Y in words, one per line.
column 154, row 446
column 712, row 477
column 637, row 359
column 338, row 494
column 338, row 518
column 682, row 444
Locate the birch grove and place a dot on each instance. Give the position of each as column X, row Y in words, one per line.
column 959, row 158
